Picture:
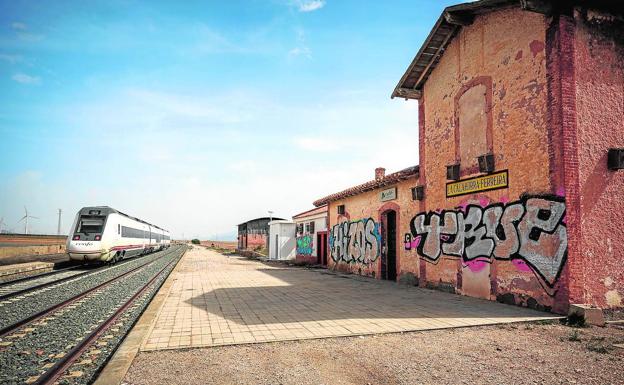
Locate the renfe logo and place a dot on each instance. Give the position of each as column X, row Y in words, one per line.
column 84, row 243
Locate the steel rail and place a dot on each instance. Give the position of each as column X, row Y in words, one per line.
column 61, row 366
column 22, row 279
column 60, row 280
column 45, row 284
column 25, row 321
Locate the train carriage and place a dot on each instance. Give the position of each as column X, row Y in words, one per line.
column 108, row 235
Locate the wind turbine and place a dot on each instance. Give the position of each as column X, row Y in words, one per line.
column 25, row 219
column 1, row 224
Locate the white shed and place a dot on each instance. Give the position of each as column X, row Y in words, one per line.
column 282, row 239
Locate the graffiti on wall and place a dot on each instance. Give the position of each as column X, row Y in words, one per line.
column 357, row 242
column 304, row 245
column 530, row 232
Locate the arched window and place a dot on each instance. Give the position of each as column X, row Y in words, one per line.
column 473, row 123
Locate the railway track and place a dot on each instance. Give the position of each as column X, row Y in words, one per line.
column 32, row 302
column 28, row 284
column 83, row 330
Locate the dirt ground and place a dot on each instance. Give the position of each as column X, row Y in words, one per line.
column 54, row 258
column 506, row 354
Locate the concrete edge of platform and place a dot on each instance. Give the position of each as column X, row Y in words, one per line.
column 119, row 364
column 352, row 335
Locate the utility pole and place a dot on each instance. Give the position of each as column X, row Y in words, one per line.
column 58, row 228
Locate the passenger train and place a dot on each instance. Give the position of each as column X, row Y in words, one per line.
column 104, row 234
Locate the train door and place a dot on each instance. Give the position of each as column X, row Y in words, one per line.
column 147, row 239
column 151, row 244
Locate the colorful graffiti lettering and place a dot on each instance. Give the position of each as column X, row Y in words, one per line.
column 410, row 242
column 304, row 245
column 531, row 231
column 358, row 241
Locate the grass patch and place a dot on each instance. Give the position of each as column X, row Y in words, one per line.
column 574, row 320
column 544, row 322
column 598, row 345
column 575, row 336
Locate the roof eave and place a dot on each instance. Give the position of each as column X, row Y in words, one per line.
column 388, row 180
column 451, row 20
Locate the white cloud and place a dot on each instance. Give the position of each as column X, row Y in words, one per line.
column 10, row 58
column 189, row 107
column 19, row 26
column 211, row 41
column 26, row 79
column 244, row 166
column 305, row 51
column 310, row 5
column 315, row 144
column 302, row 48
column 212, row 161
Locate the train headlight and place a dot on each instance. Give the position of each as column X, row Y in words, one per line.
column 76, row 237
column 98, row 237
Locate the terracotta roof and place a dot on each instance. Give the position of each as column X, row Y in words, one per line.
column 311, row 212
column 410, row 172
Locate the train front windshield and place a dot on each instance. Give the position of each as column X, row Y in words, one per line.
column 90, row 224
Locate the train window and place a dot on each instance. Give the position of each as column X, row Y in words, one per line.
column 129, row 232
column 91, row 225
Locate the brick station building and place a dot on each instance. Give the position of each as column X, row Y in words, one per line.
column 254, row 234
column 519, row 197
column 365, row 224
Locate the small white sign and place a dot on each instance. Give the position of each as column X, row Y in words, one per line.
column 388, row 194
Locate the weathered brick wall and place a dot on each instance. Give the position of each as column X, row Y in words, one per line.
column 253, row 241
column 599, row 78
column 368, row 205
column 500, row 59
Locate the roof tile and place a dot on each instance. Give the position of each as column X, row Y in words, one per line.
column 410, row 172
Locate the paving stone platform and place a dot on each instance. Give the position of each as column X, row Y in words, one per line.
column 220, row 300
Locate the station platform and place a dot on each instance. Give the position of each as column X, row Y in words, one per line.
column 214, row 300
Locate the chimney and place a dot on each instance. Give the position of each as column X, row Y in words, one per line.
column 380, row 172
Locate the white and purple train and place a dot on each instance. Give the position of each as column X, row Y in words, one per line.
column 104, row 234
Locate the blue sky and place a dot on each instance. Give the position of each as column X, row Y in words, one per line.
column 198, row 115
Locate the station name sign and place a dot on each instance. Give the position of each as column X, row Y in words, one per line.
column 480, row 183
column 388, row 194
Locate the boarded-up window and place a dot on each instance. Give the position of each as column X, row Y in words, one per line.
column 472, row 120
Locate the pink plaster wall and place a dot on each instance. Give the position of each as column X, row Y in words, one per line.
column 599, row 78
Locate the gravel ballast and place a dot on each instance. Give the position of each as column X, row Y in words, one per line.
column 20, row 307
column 35, row 347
